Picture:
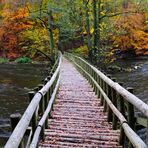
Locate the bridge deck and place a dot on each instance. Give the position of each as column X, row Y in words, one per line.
column 78, row 119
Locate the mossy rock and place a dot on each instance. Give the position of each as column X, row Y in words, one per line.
column 114, row 68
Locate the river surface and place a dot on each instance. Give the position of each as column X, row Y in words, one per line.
column 136, row 76
column 15, row 82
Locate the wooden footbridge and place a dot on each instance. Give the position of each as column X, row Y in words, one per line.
column 79, row 106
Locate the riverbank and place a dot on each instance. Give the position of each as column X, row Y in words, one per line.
column 135, row 76
column 126, row 65
column 22, row 60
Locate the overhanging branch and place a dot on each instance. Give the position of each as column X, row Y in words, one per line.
column 115, row 14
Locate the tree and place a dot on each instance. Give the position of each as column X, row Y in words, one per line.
column 87, row 27
column 42, row 26
column 14, row 22
column 131, row 36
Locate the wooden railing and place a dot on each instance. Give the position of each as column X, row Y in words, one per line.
column 35, row 118
column 119, row 103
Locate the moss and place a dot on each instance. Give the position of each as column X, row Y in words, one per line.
column 23, row 60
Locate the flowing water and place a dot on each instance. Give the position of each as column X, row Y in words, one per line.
column 138, row 79
column 15, row 82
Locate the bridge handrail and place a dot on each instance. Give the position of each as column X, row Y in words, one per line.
column 35, row 140
column 19, row 131
column 139, row 104
column 129, row 132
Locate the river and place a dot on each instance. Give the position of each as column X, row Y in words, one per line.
column 15, row 82
column 136, row 76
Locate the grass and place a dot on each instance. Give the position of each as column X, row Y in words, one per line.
column 18, row 60
column 3, row 60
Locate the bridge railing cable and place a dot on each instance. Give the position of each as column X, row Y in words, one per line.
column 36, row 115
column 115, row 99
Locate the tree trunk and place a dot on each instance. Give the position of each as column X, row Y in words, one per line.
column 125, row 4
column 51, row 39
column 99, row 22
column 87, row 26
column 95, row 11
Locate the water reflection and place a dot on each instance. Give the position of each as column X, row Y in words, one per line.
column 15, row 82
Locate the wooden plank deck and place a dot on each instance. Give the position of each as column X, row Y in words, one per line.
column 77, row 119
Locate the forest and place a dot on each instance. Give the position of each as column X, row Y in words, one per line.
column 99, row 30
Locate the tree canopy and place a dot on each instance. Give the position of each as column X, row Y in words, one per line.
column 101, row 30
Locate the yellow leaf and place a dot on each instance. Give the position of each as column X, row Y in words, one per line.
column 92, row 30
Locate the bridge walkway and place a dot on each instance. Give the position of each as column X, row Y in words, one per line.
column 77, row 119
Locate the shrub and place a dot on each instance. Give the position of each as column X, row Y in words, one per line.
column 23, row 60
column 3, row 60
column 82, row 50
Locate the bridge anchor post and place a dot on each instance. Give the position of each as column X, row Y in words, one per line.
column 14, row 119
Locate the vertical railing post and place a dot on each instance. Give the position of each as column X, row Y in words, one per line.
column 114, row 100
column 99, row 82
column 105, row 103
column 41, row 104
column 49, row 93
column 42, row 109
column 34, row 117
column 90, row 74
column 91, row 79
column 101, row 97
column 106, row 107
column 122, row 110
column 87, row 69
column 131, row 114
column 121, row 103
column 95, row 77
column 130, row 111
column 93, row 82
column 83, row 66
column 122, row 136
column 109, row 116
column 14, row 119
column 46, row 97
column 98, row 92
column 103, row 87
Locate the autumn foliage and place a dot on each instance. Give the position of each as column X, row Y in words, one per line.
column 13, row 23
column 132, row 35
column 26, row 28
